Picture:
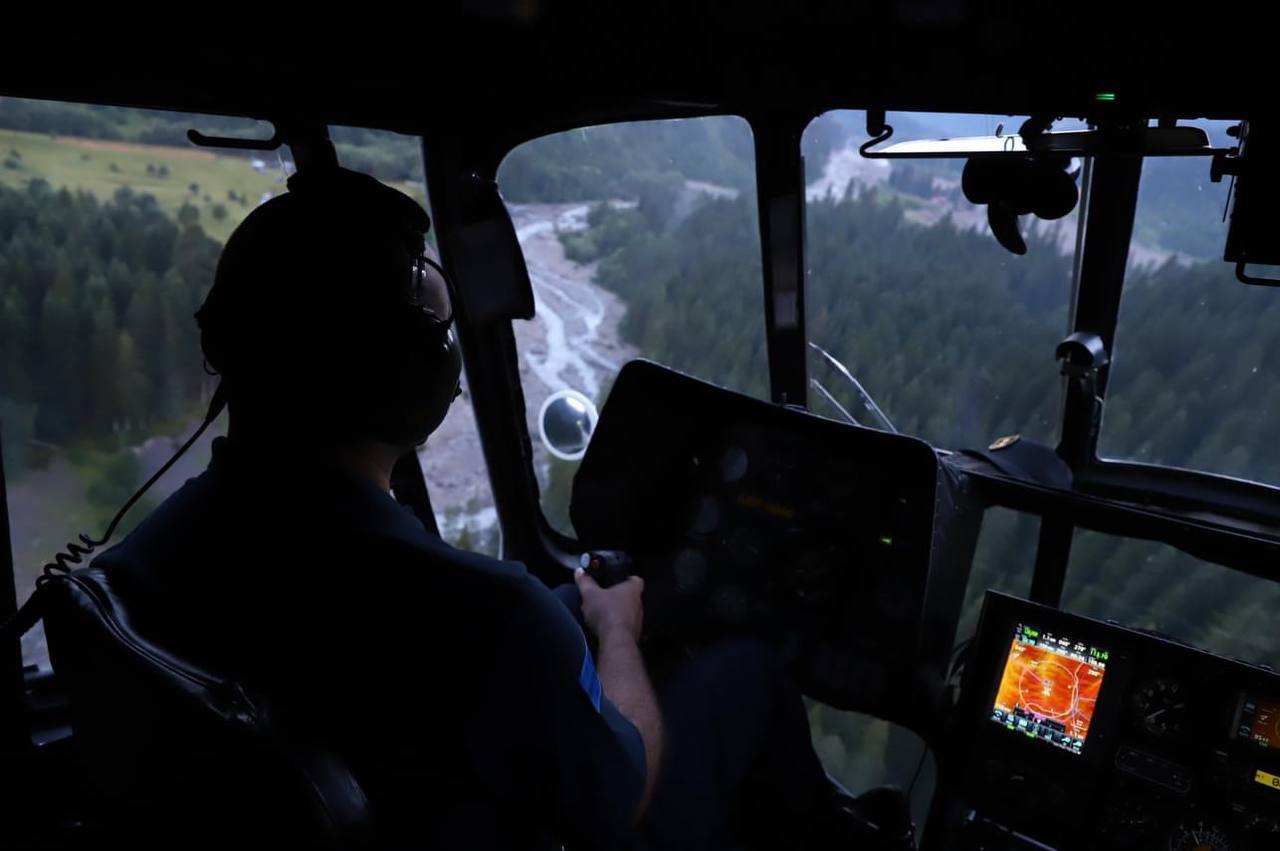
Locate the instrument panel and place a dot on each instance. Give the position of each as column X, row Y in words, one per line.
column 851, row 548
column 1084, row 734
column 747, row 517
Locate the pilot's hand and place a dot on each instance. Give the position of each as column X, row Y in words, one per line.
column 615, row 611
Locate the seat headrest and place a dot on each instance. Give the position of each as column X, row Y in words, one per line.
column 173, row 750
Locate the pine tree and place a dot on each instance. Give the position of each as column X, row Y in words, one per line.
column 60, row 415
column 14, row 345
column 103, row 382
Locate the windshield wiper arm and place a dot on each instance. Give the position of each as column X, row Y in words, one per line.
column 826, row 394
column 862, row 393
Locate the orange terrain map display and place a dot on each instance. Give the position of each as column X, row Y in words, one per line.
column 1049, row 688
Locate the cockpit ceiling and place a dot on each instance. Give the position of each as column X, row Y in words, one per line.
column 517, row 68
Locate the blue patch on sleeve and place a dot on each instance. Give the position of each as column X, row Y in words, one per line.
column 588, row 678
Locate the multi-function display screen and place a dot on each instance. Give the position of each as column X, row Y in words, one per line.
column 1049, row 687
column 1260, row 721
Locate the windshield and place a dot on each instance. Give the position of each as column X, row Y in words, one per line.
column 950, row 336
column 641, row 241
column 1149, row 585
column 1191, row 379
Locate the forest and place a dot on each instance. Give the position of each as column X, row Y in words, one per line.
column 96, row 337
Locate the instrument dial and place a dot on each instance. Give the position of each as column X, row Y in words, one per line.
column 1199, row 835
column 734, row 463
column 1161, row 708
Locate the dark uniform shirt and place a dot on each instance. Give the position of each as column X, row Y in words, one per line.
column 458, row 687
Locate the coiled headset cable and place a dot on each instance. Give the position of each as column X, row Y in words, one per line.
column 30, row 612
column 75, row 551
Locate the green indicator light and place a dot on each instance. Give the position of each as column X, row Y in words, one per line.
column 1105, row 96
column 887, row 541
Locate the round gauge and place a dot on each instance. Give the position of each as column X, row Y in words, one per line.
column 1133, row 818
column 1198, row 835
column 1160, row 707
column 690, row 569
column 733, row 464
column 1264, row 832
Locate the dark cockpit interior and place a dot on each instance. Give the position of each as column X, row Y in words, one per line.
column 930, row 343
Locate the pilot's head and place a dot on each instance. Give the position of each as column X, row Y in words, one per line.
column 328, row 320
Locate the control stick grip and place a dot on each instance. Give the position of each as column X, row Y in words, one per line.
column 606, row 567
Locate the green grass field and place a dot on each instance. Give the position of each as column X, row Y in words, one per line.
column 102, row 167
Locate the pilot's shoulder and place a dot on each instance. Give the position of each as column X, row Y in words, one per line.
column 425, row 549
column 183, row 522
column 517, row 606
column 435, row 562
column 496, row 579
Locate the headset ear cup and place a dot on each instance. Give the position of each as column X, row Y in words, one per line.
column 444, row 383
column 1057, row 194
column 408, row 397
column 329, row 359
column 979, row 181
column 1017, row 187
column 215, row 354
column 1003, row 219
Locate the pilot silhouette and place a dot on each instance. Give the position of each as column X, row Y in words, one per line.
column 462, row 690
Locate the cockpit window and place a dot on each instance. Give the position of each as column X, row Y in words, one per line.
column 1003, row 560
column 917, row 319
column 1192, row 379
column 642, row 241
column 1154, row 586
column 111, row 224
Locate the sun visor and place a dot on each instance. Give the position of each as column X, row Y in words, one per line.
column 484, row 252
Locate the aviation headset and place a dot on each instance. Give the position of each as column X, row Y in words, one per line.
column 325, row 296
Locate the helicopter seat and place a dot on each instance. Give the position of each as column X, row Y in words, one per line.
column 178, row 753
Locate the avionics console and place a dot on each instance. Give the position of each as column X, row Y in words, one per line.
column 847, row 544
column 1080, row 734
